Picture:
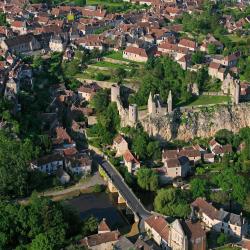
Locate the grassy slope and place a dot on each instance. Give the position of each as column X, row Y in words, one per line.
column 205, row 100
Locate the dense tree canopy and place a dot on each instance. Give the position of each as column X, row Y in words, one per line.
column 172, row 202
column 42, row 224
column 147, row 179
column 14, row 163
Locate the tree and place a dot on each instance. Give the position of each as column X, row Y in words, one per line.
column 224, row 136
column 233, row 184
column 90, row 226
column 147, row 179
column 154, row 150
column 15, row 157
column 198, row 57
column 212, row 49
column 120, row 74
column 100, row 100
column 222, row 239
column 139, row 145
column 80, row 2
column 172, row 202
column 3, row 21
column 199, row 188
column 41, row 242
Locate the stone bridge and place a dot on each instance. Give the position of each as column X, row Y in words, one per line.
column 117, row 184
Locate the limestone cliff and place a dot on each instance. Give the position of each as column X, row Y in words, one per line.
column 185, row 124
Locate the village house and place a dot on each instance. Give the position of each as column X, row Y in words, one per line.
column 93, row 12
column 92, row 42
column 21, row 44
column 105, row 239
column 211, row 40
column 79, row 164
column 135, row 54
column 189, row 44
column 63, row 176
column 184, row 235
column 48, row 164
column 219, row 220
column 177, row 167
column 208, row 158
column 131, row 162
column 216, row 70
column 58, row 43
column 62, row 139
column 20, row 27
column 120, row 145
column 218, row 149
column 192, row 154
column 86, row 92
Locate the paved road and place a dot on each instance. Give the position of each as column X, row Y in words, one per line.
column 96, row 179
column 132, row 201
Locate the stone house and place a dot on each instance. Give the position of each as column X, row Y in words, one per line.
column 208, row 158
column 211, row 40
column 48, row 164
column 192, row 154
column 79, row 164
column 91, row 42
column 216, row 70
column 219, row 220
column 20, row 44
column 58, row 43
column 86, row 92
column 62, row 139
column 120, row 145
column 178, row 235
column 187, row 43
column 135, row 54
column 177, row 167
column 20, row 27
column 105, row 239
column 131, row 162
column 218, row 149
column 63, row 176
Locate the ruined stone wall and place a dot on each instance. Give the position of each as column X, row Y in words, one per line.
column 186, row 124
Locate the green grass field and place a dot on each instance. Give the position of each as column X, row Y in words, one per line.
column 110, row 65
column 205, row 100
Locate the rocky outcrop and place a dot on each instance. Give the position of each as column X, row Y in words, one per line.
column 185, row 124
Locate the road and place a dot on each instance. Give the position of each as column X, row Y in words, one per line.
column 132, row 201
column 96, row 179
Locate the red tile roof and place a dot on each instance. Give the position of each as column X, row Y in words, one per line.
column 137, row 51
column 128, row 157
column 159, row 224
column 205, row 207
column 103, row 226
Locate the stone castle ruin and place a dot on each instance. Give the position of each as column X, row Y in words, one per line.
column 231, row 86
column 131, row 116
column 185, row 123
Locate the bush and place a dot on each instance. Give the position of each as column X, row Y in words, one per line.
column 98, row 188
column 101, row 77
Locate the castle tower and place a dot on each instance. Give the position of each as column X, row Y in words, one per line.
column 170, row 102
column 237, row 92
column 151, row 105
column 133, row 114
column 115, row 92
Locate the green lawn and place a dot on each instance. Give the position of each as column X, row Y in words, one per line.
column 236, row 39
column 117, row 55
column 205, row 100
column 110, row 65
